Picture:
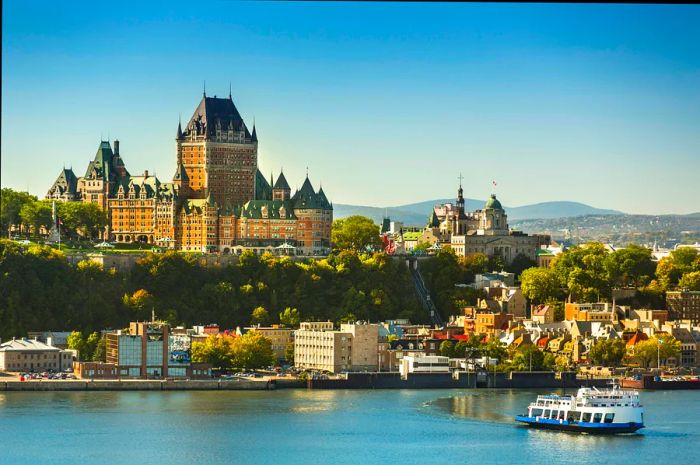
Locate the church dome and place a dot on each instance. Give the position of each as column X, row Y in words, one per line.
column 493, row 203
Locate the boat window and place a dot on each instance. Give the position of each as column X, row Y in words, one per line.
column 586, row 417
column 553, row 416
column 536, row 412
column 545, row 414
column 597, row 417
column 561, row 414
column 609, row 417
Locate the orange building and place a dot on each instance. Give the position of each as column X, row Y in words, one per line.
column 218, row 200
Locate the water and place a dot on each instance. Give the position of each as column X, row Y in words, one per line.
column 324, row 427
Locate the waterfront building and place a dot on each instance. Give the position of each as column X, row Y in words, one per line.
column 684, row 305
column 31, row 355
column 149, row 350
column 218, row 199
column 355, row 347
column 424, row 364
column 483, row 231
column 95, row 370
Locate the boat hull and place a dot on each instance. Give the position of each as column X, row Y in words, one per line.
column 580, row 427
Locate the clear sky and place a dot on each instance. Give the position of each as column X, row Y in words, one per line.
column 385, row 103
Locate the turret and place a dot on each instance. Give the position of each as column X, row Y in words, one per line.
column 281, row 189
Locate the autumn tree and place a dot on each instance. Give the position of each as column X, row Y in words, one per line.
column 251, row 351
column 216, row 349
column 260, row 316
column 290, row 317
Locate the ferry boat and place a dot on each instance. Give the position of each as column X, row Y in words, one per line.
column 609, row 411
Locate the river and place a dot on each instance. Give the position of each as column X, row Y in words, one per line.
column 324, row 427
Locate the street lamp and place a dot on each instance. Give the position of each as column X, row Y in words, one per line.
column 658, row 354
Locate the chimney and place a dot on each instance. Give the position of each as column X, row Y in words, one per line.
column 145, row 173
column 49, row 341
column 116, row 146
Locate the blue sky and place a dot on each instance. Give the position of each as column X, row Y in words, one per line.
column 385, row 103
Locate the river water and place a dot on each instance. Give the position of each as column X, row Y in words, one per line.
column 324, row 427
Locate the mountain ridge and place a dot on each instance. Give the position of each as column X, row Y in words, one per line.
column 416, row 214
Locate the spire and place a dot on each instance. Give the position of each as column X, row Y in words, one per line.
column 179, row 127
column 254, row 136
column 204, row 89
column 230, row 95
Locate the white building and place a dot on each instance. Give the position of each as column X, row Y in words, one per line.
column 424, row 364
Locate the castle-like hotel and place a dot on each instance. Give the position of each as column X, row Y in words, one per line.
column 218, row 200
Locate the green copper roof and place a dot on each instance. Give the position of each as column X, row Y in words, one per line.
column 281, row 182
column 433, row 220
column 493, row 203
column 263, row 190
column 275, row 209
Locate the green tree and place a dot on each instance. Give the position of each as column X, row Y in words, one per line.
column 671, row 269
column 540, row 284
column 356, row 232
column 496, row 263
column 520, row 263
column 290, row 317
column 11, row 203
column 100, row 353
column 85, row 219
column 631, row 266
column 91, row 343
column 259, row 316
column 447, row 348
column 527, row 356
column 582, row 271
column 37, row 215
column 76, row 341
column 690, row 281
column 608, row 352
column 251, row 351
column 652, row 350
column 494, row 349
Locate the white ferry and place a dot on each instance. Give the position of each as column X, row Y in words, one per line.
column 608, row 411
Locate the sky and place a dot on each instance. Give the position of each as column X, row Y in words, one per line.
column 386, row 104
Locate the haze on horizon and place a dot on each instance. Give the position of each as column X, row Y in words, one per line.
column 385, row 103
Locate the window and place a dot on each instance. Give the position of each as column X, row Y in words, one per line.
column 609, row 417
column 597, row 417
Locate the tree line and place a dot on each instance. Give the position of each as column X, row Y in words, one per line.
column 30, row 216
column 589, row 273
column 41, row 290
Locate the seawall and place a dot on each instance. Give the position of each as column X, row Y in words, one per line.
column 460, row 380
column 139, row 385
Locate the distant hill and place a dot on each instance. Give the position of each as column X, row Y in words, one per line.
column 416, row 214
